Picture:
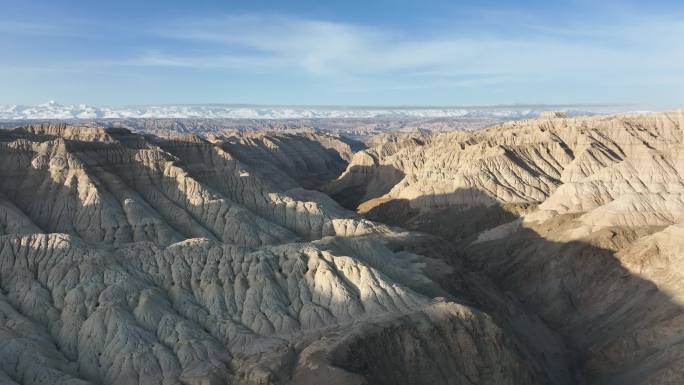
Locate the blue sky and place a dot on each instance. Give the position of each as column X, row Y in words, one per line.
column 343, row 53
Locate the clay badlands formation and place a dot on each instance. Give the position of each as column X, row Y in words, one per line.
column 546, row 251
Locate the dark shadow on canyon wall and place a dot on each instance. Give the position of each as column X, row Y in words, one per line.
column 306, row 161
column 353, row 143
column 579, row 312
column 362, row 183
column 613, row 327
column 446, row 216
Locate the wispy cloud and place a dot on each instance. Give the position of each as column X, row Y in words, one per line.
column 510, row 54
column 259, row 43
column 273, row 43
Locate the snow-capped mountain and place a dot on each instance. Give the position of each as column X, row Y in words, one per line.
column 54, row 110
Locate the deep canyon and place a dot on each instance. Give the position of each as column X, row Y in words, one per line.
column 536, row 251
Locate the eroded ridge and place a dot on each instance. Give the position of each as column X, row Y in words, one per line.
column 580, row 219
column 130, row 259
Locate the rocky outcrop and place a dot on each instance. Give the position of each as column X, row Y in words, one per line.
column 309, row 159
column 211, row 313
column 125, row 188
column 130, row 259
column 578, row 218
column 555, row 256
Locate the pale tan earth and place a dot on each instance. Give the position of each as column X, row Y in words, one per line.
column 128, row 259
column 538, row 252
column 350, row 126
column 579, row 219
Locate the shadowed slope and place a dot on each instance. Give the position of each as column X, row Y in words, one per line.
column 181, row 264
column 577, row 218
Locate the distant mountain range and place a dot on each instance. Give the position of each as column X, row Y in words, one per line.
column 56, row 111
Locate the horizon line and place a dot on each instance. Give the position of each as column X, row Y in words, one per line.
column 342, row 106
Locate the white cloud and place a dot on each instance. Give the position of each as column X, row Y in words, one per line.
column 517, row 56
column 261, row 43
